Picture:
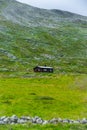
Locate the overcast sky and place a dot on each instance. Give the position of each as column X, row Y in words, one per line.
column 76, row 6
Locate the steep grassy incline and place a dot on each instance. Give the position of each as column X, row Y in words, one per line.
column 30, row 36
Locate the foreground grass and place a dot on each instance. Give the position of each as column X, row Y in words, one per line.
column 50, row 96
column 46, row 127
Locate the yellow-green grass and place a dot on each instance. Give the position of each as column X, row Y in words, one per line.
column 49, row 96
column 45, row 127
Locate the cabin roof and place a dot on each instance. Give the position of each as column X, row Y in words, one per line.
column 45, row 67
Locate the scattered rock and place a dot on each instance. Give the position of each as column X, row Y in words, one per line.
column 45, row 122
column 2, row 118
column 37, row 120
column 14, row 119
column 84, row 121
column 7, row 120
column 54, row 121
column 21, row 121
column 76, row 122
column 66, row 121
column 2, row 123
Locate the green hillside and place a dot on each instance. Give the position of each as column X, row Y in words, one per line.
column 31, row 36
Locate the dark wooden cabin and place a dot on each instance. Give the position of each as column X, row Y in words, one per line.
column 43, row 69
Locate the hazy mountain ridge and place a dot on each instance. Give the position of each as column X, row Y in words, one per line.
column 31, row 36
column 32, row 16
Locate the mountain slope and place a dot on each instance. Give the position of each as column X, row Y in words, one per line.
column 31, row 36
column 25, row 14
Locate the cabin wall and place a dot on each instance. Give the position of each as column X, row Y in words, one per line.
column 43, row 70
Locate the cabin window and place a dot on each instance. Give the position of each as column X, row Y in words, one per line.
column 50, row 70
column 45, row 69
column 38, row 69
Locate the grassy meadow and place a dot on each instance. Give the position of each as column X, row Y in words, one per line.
column 47, row 96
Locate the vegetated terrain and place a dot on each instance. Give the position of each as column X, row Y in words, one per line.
column 31, row 36
column 46, row 127
column 62, row 96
